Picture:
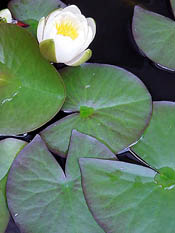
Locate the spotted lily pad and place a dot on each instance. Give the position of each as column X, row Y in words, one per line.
column 154, row 35
column 132, row 198
column 44, row 199
column 108, row 103
column 32, row 91
column 9, row 148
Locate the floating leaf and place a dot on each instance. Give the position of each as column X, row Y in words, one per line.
column 157, row 146
column 133, row 198
column 43, row 199
column 9, row 148
column 25, row 10
column 32, row 92
column 112, row 105
column 4, row 213
column 128, row 199
column 154, row 35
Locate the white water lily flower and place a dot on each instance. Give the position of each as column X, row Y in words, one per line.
column 65, row 35
column 5, row 16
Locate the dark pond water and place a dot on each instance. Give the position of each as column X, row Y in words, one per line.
column 114, row 45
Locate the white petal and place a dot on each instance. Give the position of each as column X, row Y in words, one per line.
column 88, row 40
column 66, row 48
column 80, row 59
column 92, row 24
column 72, row 8
column 40, row 29
column 6, row 14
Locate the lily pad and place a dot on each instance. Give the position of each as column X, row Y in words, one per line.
column 157, row 146
column 4, row 213
column 25, row 10
column 32, row 91
column 41, row 198
column 9, row 148
column 154, row 35
column 132, row 198
column 108, row 103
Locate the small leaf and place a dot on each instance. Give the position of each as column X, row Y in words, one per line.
column 32, row 91
column 45, row 199
column 154, row 35
column 112, row 105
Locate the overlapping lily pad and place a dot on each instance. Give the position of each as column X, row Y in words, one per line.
column 132, row 198
column 42, row 199
column 25, row 10
column 108, row 103
column 9, row 148
column 31, row 11
column 154, row 35
column 32, row 91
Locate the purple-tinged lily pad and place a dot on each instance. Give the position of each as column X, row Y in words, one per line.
column 42, row 199
column 32, row 91
column 154, row 35
column 132, row 198
column 108, row 103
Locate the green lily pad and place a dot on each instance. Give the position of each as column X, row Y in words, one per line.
column 41, row 198
column 4, row 213
column 25, row 10
column 157, row 146
column 132, row 198
column 154, row 35
column 9, row 148
column 32, row 91
column 31, row 11
column 108, row 103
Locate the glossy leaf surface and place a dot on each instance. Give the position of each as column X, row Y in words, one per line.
column 154, row 35
column 25, row 10
column 43, row 199
column 111, row 104
column 32, row 91
column 128, row 199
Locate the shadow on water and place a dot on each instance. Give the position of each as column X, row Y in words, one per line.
column 114, row 45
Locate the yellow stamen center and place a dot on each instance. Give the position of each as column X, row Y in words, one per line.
column 67, row 29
